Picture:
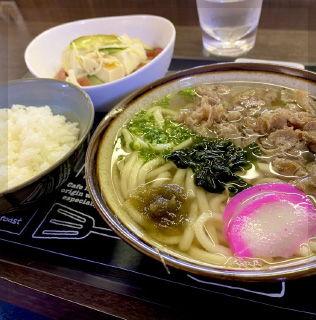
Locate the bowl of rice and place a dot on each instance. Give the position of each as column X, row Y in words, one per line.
column 44, row 125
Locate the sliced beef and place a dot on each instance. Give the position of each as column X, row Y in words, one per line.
column 287, row 167
column 310, row 138
column 281, row 119
column 311, row 169
column 258, row 125
column 299, row 97
column 277, row 121
column 255, row 99
column 227, row 130
column 300, row 119
column 212, row 92
column 233, row 116
column 310, row 126
column 304, row 101
column 306, row 185
column 203, row 115
column 285, row 140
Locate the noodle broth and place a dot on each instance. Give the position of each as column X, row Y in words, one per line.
column 166, row 204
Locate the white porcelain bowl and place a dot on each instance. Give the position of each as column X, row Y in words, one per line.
column 43, row 54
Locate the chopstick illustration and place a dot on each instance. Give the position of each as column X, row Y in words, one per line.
column 62, row 222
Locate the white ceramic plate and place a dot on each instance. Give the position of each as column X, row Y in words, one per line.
column 43, row 54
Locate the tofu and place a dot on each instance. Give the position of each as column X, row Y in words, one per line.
column 110, row 73
column 90, row 65
column 69, row 61
column 72, row 77
column 131, row 58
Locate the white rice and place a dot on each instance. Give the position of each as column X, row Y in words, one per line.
column 31, row 140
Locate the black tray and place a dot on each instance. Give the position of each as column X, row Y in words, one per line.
column 66, row 236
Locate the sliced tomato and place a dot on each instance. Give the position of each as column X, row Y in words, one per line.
column 62, row 75
column 84, row 82
column 151, row 54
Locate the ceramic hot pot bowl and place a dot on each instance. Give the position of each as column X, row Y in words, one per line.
column 101, row 184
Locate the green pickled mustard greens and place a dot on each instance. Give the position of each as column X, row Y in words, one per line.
column 188, row 92
column 159, row 139
column 215, row 162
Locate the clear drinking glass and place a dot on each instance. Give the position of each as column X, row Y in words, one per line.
column 229, row 27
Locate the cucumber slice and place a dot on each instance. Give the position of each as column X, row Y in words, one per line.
column 149, row 48
column 112, row 50
column 95, row 80
column 98, row 40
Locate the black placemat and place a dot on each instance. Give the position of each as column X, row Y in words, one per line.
column 66, row 236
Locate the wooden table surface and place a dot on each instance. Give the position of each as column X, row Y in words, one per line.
column 287, row 31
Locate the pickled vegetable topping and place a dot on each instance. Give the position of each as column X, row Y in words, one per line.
column 161, row 204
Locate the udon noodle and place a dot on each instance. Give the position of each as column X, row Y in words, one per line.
column 163, row 199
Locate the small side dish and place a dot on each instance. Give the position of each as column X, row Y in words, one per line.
column 43, row 56
column 32, row 140
column 102, row 58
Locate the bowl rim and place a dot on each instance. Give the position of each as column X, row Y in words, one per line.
column 132, row 16
column 279, row 274
column 72, row 150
